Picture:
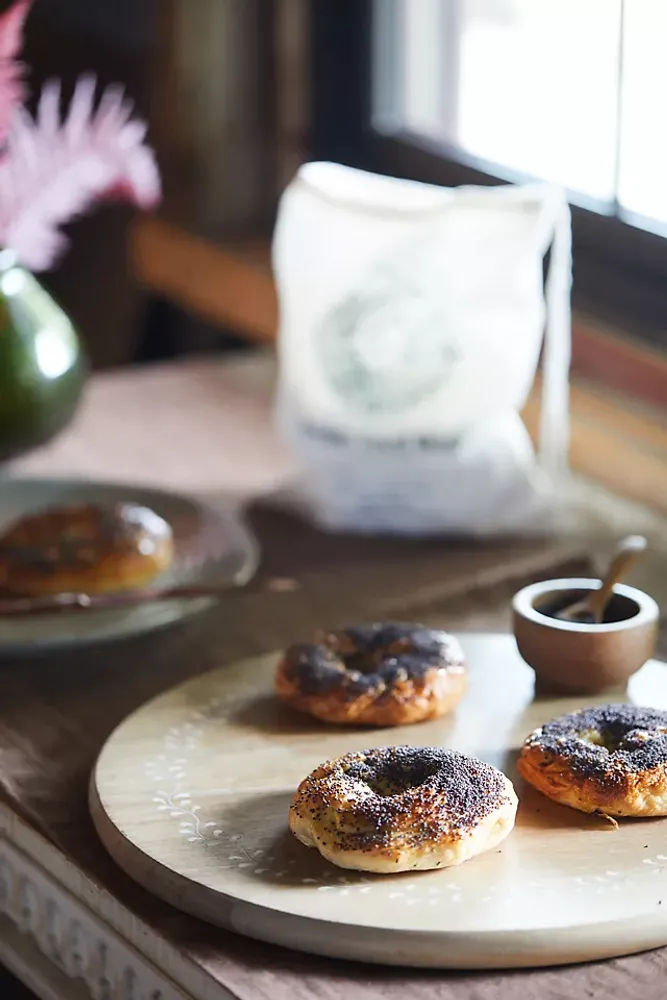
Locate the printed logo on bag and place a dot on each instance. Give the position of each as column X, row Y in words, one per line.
column 388, row 346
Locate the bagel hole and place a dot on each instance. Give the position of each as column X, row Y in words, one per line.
column 387, row 788
column 600, row 739
column 618, row 741
column 360, row 663
column 390, row 781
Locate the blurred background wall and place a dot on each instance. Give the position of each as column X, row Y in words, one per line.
column 222, row 85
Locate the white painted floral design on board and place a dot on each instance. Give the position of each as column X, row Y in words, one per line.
column 168, row 771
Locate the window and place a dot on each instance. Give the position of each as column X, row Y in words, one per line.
column 487, row 91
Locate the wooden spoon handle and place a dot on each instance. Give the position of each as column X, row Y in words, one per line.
column 629, row 551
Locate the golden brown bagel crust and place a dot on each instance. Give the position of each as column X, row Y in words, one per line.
column 393, row 809
column 84, row 548
column 611, row 760
column 384, row 674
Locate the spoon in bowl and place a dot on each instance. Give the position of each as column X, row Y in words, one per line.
column 591, row 609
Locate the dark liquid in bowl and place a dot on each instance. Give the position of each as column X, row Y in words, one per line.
column 619, row 608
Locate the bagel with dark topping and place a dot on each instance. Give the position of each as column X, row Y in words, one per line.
column 611, row 759
column 84, row 548
column 394, row 809
column 383, row 674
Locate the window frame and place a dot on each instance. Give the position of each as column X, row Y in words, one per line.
column 620, row 269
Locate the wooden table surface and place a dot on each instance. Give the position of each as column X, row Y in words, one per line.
column 205, row 427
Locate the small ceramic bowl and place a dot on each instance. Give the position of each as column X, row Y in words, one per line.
column 577, row 658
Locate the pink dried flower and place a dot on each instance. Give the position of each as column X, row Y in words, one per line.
column 53, row 169
column 54, row 172
column 12, row 91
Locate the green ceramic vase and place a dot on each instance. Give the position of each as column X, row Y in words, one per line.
column 42, row 363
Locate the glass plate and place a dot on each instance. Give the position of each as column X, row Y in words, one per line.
column 212, row 545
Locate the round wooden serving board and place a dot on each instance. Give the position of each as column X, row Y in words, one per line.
column 190, row 796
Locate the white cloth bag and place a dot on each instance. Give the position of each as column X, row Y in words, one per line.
column 411, row 323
